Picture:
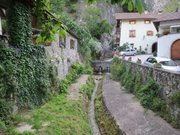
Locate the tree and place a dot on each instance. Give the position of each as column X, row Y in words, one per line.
column 172, row 6
column 95, row 24
column 132, row 4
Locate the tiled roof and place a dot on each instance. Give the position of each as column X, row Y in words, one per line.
column 168, row 17
column 127, row 16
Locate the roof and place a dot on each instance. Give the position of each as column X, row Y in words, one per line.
column 127, row 16
column 168, row 17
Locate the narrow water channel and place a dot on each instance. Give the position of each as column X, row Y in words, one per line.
column 92, row 119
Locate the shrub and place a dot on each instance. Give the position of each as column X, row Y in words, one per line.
column 158, row 105
column 75, row 71
column 175, row 99
column 147, row 93
column 117, row 68
column 88, row 87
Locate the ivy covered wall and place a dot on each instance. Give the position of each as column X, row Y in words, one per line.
column 24, row 69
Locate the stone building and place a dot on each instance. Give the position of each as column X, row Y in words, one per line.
column 62, row 53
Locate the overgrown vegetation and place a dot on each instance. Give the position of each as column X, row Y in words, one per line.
column 105, row 121
column 96, row 25
column 172, row 6
column 75, row 71
column 88, row 87
column 60, row 115
column 24, row 81
column 84, row 35
column 147, row 93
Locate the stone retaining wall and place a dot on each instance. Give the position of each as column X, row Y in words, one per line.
column 169, row 82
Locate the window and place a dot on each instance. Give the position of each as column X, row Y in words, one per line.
column 132, row 45
column 62, row 42
column 132, row 22
column 72, row 44
column 149, row 33
column 132, row 33
column 147, row 21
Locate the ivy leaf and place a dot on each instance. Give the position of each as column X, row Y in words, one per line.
column 130, row 6
column 139, row 7
column 123, row 2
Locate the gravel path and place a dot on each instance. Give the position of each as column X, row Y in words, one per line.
column 74, row 88
column 130, row 115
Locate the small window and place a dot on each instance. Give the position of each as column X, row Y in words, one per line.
column 147, row 21
column 62, row 42
column 132, row 22
column 149, row 33
column 132, row 33
column 72, row 44
column 132, row 45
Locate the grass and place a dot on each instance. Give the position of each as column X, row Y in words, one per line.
column 59, row 116
column 105, row 121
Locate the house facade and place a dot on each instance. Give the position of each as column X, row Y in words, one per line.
column 136, row 30
column 168, row 27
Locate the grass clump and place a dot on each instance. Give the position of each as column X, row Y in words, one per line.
column 88, row 87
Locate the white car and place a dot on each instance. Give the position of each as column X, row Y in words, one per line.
column 165, row 63
column 128, row 52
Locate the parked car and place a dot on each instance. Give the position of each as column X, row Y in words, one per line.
column 165, row 63
column 128, row 52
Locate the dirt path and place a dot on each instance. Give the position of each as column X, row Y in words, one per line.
column 130, row 115
column 74, row 88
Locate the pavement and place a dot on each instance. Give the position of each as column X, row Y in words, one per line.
column 130, row 115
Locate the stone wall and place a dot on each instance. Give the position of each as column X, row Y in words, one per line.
column 101, row 66
column 61, row 55
column 169, row 82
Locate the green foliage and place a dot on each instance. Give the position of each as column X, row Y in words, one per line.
column 3, row 127
column 96, row 48
column 148, row 94
column 175, row 99
column 51, row 24
column 75, row 71
column 132, row 4
column 24, row 78
column 117, row 68
column 123, row 47
column 88, row 87
column 172, row 6
column 83, row 35
column 105, row 121
column 95, row 24
column 62, row 117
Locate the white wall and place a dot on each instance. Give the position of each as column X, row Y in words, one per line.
column 0, row 27
column 165, row 26
column 164, row 45
column 141, row 38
